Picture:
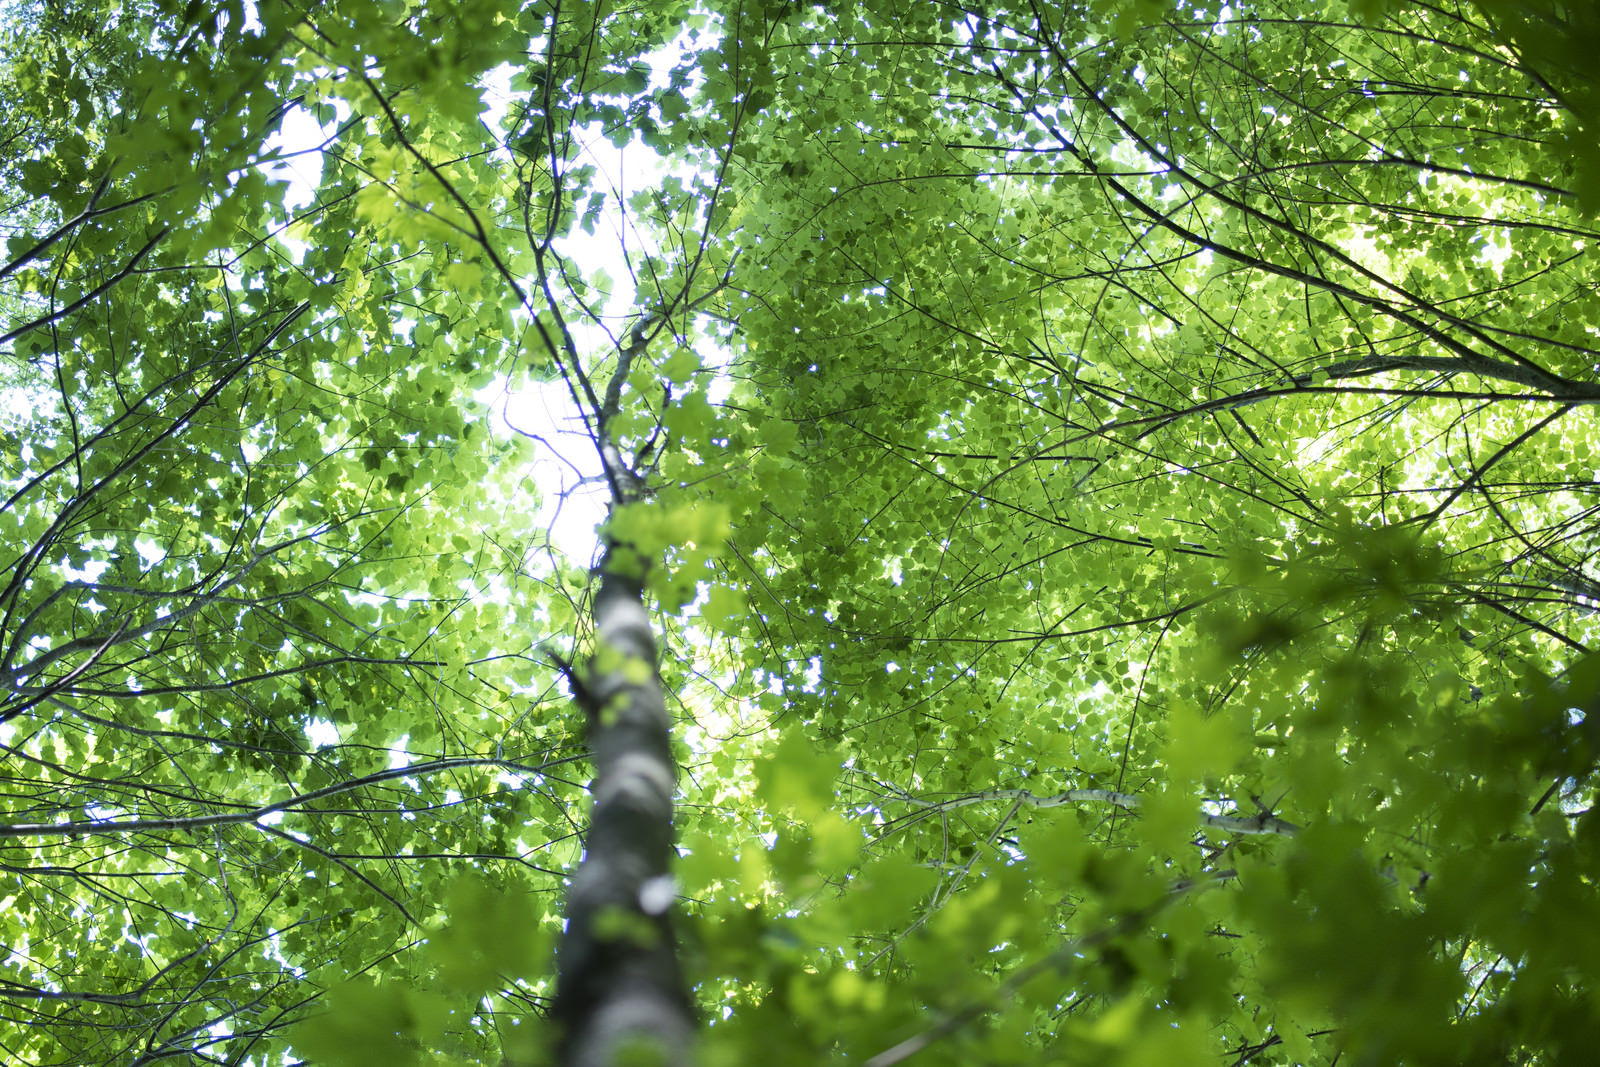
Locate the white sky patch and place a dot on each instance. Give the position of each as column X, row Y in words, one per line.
column 566, row 467
column 91, row 571
column 1496, row 250
column 150, row 553
column 297, row 143
column 322, row 733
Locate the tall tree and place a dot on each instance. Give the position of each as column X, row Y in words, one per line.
column 1102, row 496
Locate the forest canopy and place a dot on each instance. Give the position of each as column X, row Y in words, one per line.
column 1100, row 510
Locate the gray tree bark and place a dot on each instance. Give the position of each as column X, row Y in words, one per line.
column 619, row 984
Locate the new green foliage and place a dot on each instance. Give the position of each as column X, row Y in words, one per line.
column 1115, row 485
column 1184, row 411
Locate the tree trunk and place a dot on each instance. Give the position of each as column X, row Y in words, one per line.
column 619, row 982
